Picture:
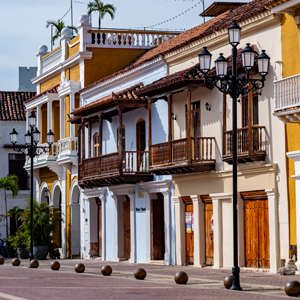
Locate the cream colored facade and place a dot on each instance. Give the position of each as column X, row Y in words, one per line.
column 264, row 32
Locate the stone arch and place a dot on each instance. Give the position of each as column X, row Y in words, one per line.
column 74, row 193
column 44, row 193
column 55, row 194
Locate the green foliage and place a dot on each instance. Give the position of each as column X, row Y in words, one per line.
column 44, row 221
column 20, row 240
column 14, row 213
column 59, row 26
column 102, row 8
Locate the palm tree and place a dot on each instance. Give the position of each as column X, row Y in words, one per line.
column 59, row 26
column 10, row 182
column 102, row 8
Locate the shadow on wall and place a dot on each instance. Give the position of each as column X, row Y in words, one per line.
column 159, row 122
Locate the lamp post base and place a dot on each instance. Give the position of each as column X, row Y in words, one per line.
column 31, row 257
column 236, row 279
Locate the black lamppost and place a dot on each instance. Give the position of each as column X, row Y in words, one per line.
column 31, row 149
column 234, row 85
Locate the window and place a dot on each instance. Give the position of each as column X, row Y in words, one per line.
column 15, row 165
column 195, row 114
column 245, row 104
column 96, row 144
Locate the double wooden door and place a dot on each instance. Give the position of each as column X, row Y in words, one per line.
column 157, row 229
column 256, row 218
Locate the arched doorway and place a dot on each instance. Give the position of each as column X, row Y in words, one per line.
column 56, row 205
column 44, row 193
column 75, row 221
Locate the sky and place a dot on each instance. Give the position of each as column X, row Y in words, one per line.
column 23, row 25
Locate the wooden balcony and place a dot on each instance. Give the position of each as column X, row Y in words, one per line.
column 178, row 156
column 107, row 169
column 250, row 144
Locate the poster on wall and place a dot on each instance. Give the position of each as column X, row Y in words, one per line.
column 192, row 222
column 188, row 218
column 188, row 228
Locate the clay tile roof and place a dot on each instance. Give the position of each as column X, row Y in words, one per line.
column 218, row 8
column 222, row 21
column 52, row 90
column 113, row 99
column 178, row 80
column 12, row 105
column 270, row 3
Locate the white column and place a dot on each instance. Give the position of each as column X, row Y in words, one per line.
column 116, row 229
column 218, row 257
column 49, row 115
column 62, row 117
column 179, row 231
column 148, row 227
column 63, row 210
column 84, row 35
column 27, row 115
column 273, row 231
column 72, row 107
column 103, row 203
column 199, row 231
column 132, row 228
column 38, row 117
column 167, row 217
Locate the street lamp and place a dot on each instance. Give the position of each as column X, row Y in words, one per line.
column 234, row 85
column 31, row 149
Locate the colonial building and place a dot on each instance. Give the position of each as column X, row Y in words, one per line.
column 287, row 106
column 78, row 62
column 12, row 115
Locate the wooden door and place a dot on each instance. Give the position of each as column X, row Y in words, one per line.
column 189, row 233
column 126, row 224
column 157, row 230
column 100, row 229
column 256, row 218
column 140, row 142
column 209, row 233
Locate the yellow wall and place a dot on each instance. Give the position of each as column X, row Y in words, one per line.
column 50, row 82
column 106, row 62
column 67, row 110
column 291, row 66
column 73, row 73
column 48, row 176
column 75, row 49
column 43, row 123
column 55, row 120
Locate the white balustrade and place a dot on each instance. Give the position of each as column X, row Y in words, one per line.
column 51, row 59
column 128, row 39
column 68, row 147
column 44, row 156
column 287, row 92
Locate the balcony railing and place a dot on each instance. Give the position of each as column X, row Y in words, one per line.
column 249, row 142
column 68, row 147
column 287, row 92
column 128, row 38
column 51, row 59
column 176, row 151
column 51, row 155
column 133, row 162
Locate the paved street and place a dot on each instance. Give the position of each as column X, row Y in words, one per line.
column 19, row 283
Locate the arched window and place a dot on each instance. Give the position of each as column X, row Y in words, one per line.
column 96, row 144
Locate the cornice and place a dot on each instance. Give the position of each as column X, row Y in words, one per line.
column 220, row 38
column 123, row 189
column 68, row 87
column 41, row 100
column 157, row 186
column 97, row 192
column 123, row 77
column 61, row 65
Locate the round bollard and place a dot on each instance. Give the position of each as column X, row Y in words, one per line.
column 106, row 270
column 55, row 265
column 34, row 264
column 292, row 288
column 140, row 274
column 15, row 262
column 228, row 281
column 79, row 268
column 181, row 277
column 1, row 260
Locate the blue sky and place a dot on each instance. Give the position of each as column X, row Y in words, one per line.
column 23, row 25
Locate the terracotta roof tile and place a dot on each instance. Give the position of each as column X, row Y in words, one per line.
column 218, row 8
column 220, row 22
column 128, row 94
column 52, row 90
column 12, row 105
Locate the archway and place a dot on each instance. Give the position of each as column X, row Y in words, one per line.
column 44, row 193
column 75, row 220
column 56, row 206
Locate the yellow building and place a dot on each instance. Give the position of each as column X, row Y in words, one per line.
column 287, row 106
column 62, row 73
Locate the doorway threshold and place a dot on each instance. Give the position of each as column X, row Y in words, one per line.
column 157, row 262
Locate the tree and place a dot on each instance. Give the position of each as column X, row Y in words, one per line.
column 102, row 8
column 9, row 182
column 59, row 26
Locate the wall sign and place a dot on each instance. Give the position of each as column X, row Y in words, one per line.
column 140, row 194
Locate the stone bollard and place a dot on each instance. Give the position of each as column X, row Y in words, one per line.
column 34, row 264
column 181, row 277
column 106, row 270
column 140, row 274
column 79, row 268
column 292, row 288
column 1, row 260
column 15, row 262
column 228, row 281
column 55, row 265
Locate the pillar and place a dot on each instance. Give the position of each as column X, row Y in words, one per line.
column 38, row 118
column 49, row 115
column 179, row 231
column 167, row 217
column 116, row 228
column 62, row 118
column 132, row 229
column 148, row 227
column 103, row 203
column 72, row 107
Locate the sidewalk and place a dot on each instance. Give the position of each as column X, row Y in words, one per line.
column 205, row 283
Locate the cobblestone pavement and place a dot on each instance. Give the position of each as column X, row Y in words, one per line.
column 20, row 283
